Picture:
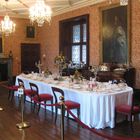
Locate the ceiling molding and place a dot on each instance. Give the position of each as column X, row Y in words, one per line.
column 77, row 6
column 20, row 8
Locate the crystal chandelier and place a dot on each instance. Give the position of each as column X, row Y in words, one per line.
column 7, row 26
column 40, row 13
column 122, row 2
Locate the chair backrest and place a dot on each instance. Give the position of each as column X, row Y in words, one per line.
column 34, row 89
column 20, row 82
column 57, row 91
column 10, row 81
column 136, row 96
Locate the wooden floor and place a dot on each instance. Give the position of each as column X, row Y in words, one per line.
column 43, row 127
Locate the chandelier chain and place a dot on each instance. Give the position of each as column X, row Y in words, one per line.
column 122, row 2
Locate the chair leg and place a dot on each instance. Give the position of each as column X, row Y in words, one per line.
column 56, row 109
column 45, row 106
column 34, row 106
column 31, row 101
column 24, row 98
column 12, row 95
column 67, row 114
column 9, row 94
column 131, row 123
column 78, row 113
column 52, row 106
column 115, row 121
column 38, row 108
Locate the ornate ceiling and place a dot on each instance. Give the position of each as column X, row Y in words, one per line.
column 19, row 8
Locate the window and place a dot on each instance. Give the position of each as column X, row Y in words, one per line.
column 74, row 39
column 79, row 43
column 76, row 54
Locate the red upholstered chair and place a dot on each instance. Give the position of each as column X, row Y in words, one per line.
column 27, row 92
column 69, row 104
column 128, row 111
column 40, row 97
column 11, row 88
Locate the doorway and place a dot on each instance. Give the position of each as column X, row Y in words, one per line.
column 30, row 54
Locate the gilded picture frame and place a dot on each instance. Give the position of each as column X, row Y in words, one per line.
column 115, row 35
column 30, row 31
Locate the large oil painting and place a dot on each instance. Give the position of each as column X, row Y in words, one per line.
column 115, row 46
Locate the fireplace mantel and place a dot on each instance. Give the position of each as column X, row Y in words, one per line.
column 5, row 68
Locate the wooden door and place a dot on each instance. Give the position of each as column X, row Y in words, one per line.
column 30, row 53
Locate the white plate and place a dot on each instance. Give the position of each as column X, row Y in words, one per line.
column 77, row 87
column 117, row 89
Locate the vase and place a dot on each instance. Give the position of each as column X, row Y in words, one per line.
column 39, row 70
column 60, row 73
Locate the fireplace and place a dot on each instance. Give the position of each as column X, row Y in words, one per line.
column 5, row 68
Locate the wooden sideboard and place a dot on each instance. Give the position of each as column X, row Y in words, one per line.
column 104, row 76
column 128, row 76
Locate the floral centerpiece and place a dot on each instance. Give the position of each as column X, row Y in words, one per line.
column 77, row 76
column 47, row 72
column 60, row 62
column 39, row 66
column 95, row 69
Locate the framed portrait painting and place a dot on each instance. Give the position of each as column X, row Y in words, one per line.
column 30, row 32
column 115, row 36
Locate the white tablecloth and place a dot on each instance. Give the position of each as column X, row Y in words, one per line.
column 96, row 109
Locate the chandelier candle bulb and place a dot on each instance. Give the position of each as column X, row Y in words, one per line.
column 40, row 13
column 7, row 26
column 123, row 2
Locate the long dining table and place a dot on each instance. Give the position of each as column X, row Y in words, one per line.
column 97, row 107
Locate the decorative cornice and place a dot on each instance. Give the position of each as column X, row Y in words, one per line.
column 63, row 10
column 77, row 5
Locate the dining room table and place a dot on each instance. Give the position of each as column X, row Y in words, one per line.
column 97, row 99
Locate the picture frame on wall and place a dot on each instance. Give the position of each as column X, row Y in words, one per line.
column 30, row 32
column 115, row 35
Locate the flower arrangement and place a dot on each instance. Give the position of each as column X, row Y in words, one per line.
column 47, row 72
column 77, row 75
column 95, row 69
column 60, row 62
column 38, row 65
